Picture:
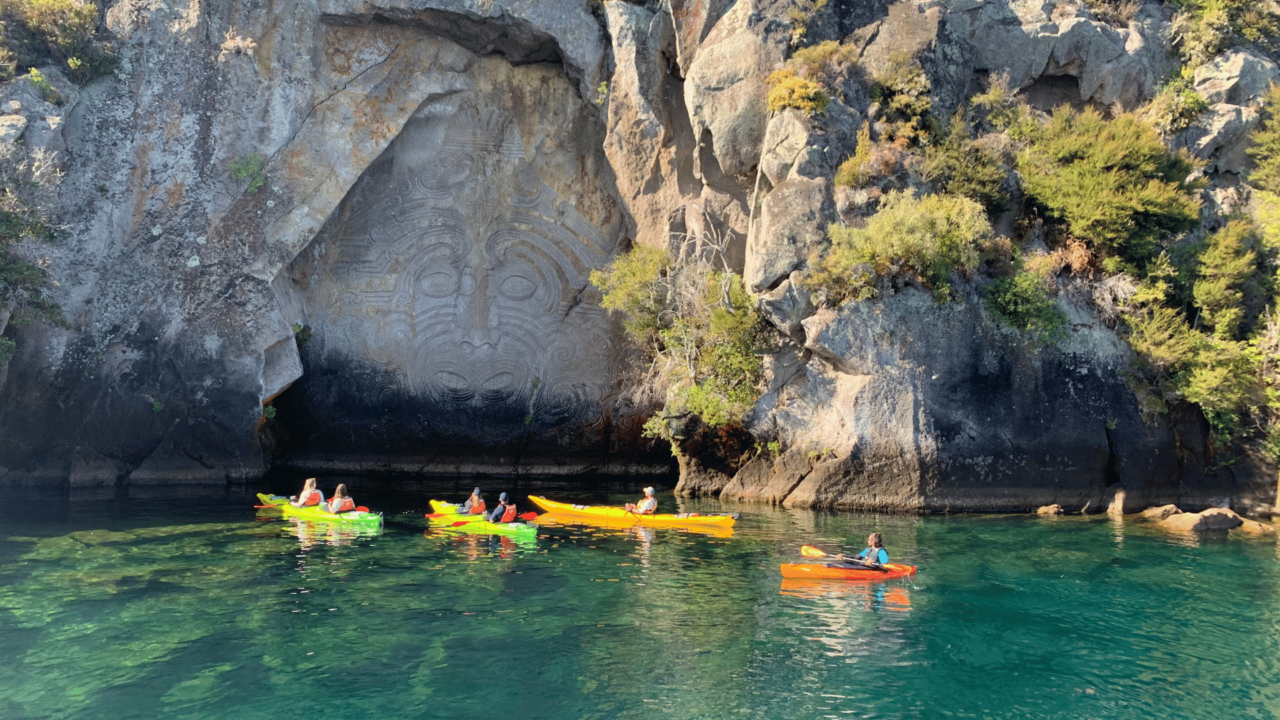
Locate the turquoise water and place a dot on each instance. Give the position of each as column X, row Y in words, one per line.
column 185, row 606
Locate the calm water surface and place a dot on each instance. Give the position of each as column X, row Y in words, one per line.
column 194, row 606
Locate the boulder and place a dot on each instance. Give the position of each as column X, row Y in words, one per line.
column 1253, row 527
column 1220, row 136
column 1054, row 509
column 792, row 224
column 1236, row 77
column 1160, row 513
column 1211, row 519
column 11, row 127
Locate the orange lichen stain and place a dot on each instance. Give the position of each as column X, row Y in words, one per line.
column 173, row 196
column 137, row 180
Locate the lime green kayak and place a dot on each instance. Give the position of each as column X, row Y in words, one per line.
column 354, row 518
column 480, row 526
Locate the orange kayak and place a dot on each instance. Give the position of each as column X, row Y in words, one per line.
column 597, row 512
column 814, row 571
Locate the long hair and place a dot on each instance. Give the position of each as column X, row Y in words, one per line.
column 340, row 491
column 875, row 540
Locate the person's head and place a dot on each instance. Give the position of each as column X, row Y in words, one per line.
column 475, row 493
column 873, row 540
column 341, row 490
column 503, row 498
column 648, row 492
column 310, row 484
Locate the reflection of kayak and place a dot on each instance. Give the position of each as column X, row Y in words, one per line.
column 814, row 571
column 594, row 512
column 886, row 597
column 557, row 518
column 480, row 526
column 315, row 512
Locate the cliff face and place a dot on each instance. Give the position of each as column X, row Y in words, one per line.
column 405, row 279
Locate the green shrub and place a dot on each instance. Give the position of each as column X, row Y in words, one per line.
column 1203, row 29
column 248, row 168
column 801, row 14
column 1160, row 336
column 46, row 90
column 788, row 90
column 699, row 329
column 821, row 62
column 1175, row 107
column 1025, row 301
column 959, row 166
column 852, row 172
column 7, row 350
column 1265, row 145
column 1226, row 267
column 1111, row 182
column 902, row 90
column 997, row 109
column 59, row 31
column 924, row 239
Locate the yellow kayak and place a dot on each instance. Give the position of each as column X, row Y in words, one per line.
column 314, row 512
column 616, row 514
column 627, row 523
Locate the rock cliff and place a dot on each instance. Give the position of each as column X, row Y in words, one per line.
column 379, row 221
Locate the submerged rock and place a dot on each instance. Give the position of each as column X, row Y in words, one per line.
column 1211, row 519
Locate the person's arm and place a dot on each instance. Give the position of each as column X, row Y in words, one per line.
column 883, row 556
column 496, row 515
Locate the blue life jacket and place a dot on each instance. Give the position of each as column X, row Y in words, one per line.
column 875, row 555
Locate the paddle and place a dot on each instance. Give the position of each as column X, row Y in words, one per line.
column 813, row 552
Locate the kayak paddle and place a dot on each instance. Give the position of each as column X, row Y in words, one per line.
column 813, row 552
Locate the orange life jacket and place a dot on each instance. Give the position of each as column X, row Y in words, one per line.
column 477, row 507
column 344, row 504
column 510, row 514
column 312, row 498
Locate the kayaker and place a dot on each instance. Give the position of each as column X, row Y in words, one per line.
column 341, row 501
column 309, row 496
column 646, row 506
column 505, row 512
column 474, row 504
column 874, row 555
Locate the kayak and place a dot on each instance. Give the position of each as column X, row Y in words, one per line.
column 815, row 571
column 439, row 507
column 627, row 523
column 480, row 526
column 593, row 512
column 315, row 512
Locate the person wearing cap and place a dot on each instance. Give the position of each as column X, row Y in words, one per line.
column 646, row 506
column 474, row 504
column 505, row 512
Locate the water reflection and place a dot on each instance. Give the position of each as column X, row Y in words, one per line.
column 868, row 596
column 313, row 533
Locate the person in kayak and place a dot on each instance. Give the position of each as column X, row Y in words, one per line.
column 309, row 496
column 873, row 556
column 505, row 512
column 341, row 501
column 646, row 506
column 474, row 504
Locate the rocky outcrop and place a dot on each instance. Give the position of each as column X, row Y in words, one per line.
column 1050, row 510
column 1234, row 84
column 1160, row 513
column 1211, row 519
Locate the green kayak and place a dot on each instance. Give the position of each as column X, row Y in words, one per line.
column 484, row 527
column 355, row 518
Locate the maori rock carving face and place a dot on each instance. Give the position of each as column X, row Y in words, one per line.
column 457, row 273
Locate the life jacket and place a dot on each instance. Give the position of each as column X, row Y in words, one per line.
column 647, row 506
column 477, row 507
column 344, row 504
column 315, row 497
column 510, row 514
column 872, row 555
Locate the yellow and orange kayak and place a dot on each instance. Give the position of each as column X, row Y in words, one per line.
column 815, row 571
column 614, row 515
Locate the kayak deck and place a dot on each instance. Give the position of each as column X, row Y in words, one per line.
column 628, row 523
column 815, row 571
column 315, row 512
column 481, row 526
column 723, row 520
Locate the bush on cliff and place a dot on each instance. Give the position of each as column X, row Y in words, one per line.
column 902, row 91
column 1203, row 29
column 700, row 332
column 920, row 239
column 64, row 32
column 959, row 166
column 1109, row 182
column 1265, row 145
column 1025, row 301
column 788, row 90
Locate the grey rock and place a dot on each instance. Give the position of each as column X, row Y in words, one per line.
column 1237, row 77
column 1220, row 136
column 791, row 226
column 11, row 127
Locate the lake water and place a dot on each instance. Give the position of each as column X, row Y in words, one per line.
column 194, row 606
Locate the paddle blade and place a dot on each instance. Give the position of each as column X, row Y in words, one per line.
column 433, row 516
column 528, row 516
column 458, row 524
column 361, row 508
column 811, row 551
column 261, row 507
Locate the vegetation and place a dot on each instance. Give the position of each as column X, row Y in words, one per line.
column 1205, row 28
column 921, row 239
column 47, row 91
column 1175, row 108
column 801, row 14
column 1025, row 301
column 62, row 32
column 959, row 166
column 788, row 90
column 700, row 332
column 1265, row 147
column 1111, row 182
column 854, row 172
column 902, row 90
column 248, row 168
column 25, row 194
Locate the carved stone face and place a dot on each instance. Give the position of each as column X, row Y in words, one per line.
column 455, row 275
